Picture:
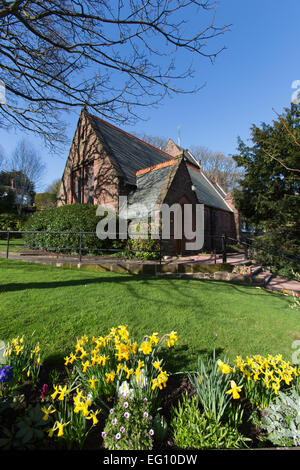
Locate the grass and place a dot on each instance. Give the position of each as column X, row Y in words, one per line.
column 15, row 244
column 58, row 305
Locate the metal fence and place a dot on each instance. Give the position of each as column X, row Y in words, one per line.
column 224, row 242
column 80, row 249
column 7, row 237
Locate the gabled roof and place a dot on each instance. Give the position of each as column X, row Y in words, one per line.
column 206, row 192
column 135, row 158
column 149, row 187
column 130, row 153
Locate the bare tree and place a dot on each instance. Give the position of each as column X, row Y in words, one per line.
column 155, row 140
column 26, row 172
column 112, row 56
column 218, row 167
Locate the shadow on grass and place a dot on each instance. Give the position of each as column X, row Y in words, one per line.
column 127, row 279
column 181, row 358
column 11, row 287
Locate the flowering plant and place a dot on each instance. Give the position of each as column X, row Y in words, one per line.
column 71, row 414
column 106, row 363
column 265, row 376
column 129, row 425
column 24, row 358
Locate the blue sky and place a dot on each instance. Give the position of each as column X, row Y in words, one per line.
column 248, row 79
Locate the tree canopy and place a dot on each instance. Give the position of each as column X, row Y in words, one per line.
column 112, row 56
column 269, row 192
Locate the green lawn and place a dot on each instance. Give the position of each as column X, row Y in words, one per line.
column 58, row 305
column 15, row 244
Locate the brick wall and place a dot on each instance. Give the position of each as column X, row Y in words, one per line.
column 87, row 149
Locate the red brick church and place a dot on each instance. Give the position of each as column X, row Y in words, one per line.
column 106, row 162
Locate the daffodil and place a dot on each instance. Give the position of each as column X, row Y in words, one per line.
column 62, row 392
column 172, row 338
column 157, row 365
column 93, row 416
column 146, row 347
column 235, row 390
column 60, row 427
column 92, row 382
column 224, row 367
column 47, row 412
column 110, row 376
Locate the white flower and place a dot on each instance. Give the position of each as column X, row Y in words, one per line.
column 125, row 391
column 141, row 381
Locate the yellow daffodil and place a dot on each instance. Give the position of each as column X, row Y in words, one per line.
column 47, row 412
column 92, row 382
column 62, row 392
column 157, row 365
column 60, row 427
column 172, row 338
column 146, row 347
column 224, row 367
column 85, row 365
column 154, row 338
column 235, row 389
column 55, row 393
column 93, row 416
column 160, row 381
column 110, row 376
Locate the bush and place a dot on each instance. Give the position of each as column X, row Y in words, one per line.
column 129, row 426
column 285, row 255
column 11, row 221
column 282, row 419
column 45, row 201
column 146, row 249
column 194, row 430
column 67, row 218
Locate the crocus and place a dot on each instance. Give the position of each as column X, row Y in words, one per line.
column 5, row 374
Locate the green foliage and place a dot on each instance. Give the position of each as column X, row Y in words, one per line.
column 194, row 430
column 269, row 193
column 282, row 419
column 144, row 249
column 211, row 386
column 45, row 200
column 12, row 221
column 67, row 218
column 29, row 430
column 129, row 426
column 7, row 199
column 285, row 266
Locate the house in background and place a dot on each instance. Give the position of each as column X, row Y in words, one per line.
column 106, row 162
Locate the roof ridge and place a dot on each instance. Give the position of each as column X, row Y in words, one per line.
column 130, row 135
column 155, row 167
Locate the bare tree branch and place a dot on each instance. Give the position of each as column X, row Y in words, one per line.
column 115, row 57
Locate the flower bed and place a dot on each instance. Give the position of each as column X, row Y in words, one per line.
column 116, row 394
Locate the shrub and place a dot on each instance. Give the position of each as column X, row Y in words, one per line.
column 212, row 388
column 285, row 255
column 67, row 218
column 282, row 419
column 129, row 426
column 45, row 200
column 12, row 221
column 194, row 430
column 146, row 249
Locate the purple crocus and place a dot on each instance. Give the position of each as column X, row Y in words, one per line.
column 5, row 374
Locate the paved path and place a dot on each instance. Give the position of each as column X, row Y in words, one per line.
column 236, row 259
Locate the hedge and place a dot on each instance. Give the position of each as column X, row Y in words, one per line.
column 11, row 221
column 67, row 218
